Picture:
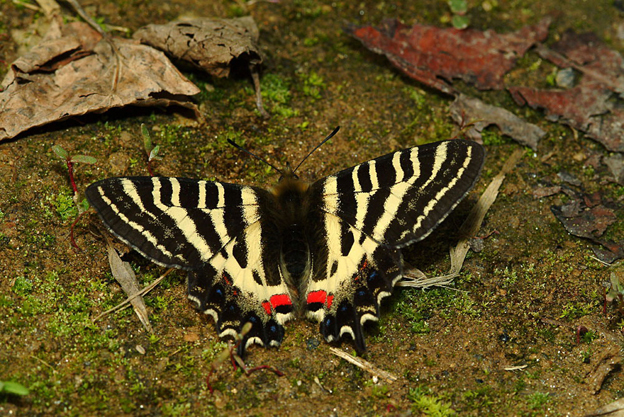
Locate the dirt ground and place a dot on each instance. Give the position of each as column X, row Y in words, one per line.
column 502, row 340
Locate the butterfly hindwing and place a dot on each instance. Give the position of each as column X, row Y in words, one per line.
column 213, row 230
column 369, row 212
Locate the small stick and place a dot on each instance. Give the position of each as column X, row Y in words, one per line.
column 365, row 365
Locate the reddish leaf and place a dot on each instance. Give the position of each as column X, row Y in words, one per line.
column 588, row 223
column 586, row 53
column 584, row 216
column 432, row 55
column 588, row 106
column 74, row 71
column 211, row 45
column 466, row 109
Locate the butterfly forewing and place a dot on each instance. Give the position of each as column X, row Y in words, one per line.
column 399, row 198
column 174, row 221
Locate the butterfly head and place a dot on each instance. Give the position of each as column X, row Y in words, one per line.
column 287, row 173
column 289, row 184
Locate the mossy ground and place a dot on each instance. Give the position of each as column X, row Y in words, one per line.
column 518, row 302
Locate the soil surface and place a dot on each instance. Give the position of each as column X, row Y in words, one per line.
column 521, row 332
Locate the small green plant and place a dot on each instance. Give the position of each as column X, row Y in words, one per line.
column 70, row 160
column 15, row 388
column 459, row 8
column 150, row 149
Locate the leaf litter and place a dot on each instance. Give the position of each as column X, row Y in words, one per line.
column 78, row 69
column 75, row 71
column 437, row 56
column 216, row 46
column 589, row 106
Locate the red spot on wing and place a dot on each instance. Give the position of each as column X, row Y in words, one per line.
column 267, row 307
column 226, row 279
column 317, row 297
column 280, row 300
column 330, row 299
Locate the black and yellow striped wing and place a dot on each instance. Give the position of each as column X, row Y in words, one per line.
column 216, row 231
column 370, row 211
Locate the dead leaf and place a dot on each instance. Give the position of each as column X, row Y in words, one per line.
column 582, row 221
column 541, row 191
column 74, row 71
column 588, row 106
column 609, row 361
column 614, row 409
column 615, row 163
column 586, row 53
column 212, row 45
column 585, row 216
column 125, row 276
column 467, row 109
column 436, row 56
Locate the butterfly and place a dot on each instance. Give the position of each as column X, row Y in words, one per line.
column 328, row 250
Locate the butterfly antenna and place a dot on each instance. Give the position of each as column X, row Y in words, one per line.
column 234, row 144
column 331, row 135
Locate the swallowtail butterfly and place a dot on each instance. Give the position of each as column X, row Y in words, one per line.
column 329, row 250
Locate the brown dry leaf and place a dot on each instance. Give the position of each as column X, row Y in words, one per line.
column 610, row 360
column 615, row 163
column 466, row 109
column 75, row 71
column 589, row 106
column 614, row 409
column 212, row 45
column 585, row 216
column 432, row 55
column 125, row 276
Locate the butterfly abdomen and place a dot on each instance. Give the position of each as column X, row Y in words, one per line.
column 291, row 214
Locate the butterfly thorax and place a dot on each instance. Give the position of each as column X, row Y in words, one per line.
column 292, row 209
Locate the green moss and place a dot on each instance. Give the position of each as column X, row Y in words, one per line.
column 312, row 84
column 63, row 204
column 478, row 399
column 174, row 135
column 22, row 286
column 277, row 96
column 424, row 402
column 577, row 309
column 537, row 400
column 493, row 137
